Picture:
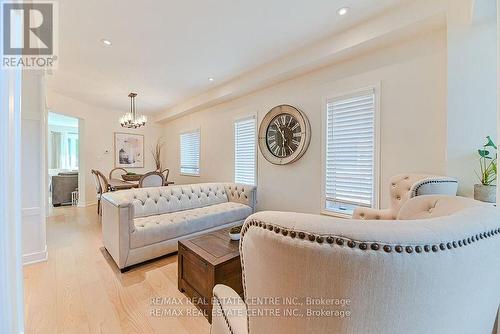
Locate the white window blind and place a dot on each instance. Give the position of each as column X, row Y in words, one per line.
column 190, row 153
column 244, row 151
column 350, row 152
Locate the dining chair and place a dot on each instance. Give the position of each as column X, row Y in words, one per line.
column 152, row 179
column 101, row 185
column 98, row 188
column 117, row 169
column 165, row 173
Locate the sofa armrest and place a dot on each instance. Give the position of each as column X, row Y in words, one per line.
column 119, row 199
column 117, row 225
column 229, row 312
column 373, row 214
column 242, row 193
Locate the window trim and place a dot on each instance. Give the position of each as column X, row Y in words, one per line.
column 256, row 144
column 376, row 182
column 199, row 153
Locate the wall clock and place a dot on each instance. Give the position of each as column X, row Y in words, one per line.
column 284, row 135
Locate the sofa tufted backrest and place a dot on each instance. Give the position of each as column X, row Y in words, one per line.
column 243, row 194
column 160, row 200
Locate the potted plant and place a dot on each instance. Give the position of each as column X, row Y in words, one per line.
column 156, row 152
column 130, row 176
column 235, row 233
column 486, row 190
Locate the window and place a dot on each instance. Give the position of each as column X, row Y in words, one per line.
column 63, row 150
column 62, row 145
column 72, row 150
column 350, row 152
column 190, row 153
column 244, row 151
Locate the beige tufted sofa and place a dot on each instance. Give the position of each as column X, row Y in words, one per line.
column 145, row 223
column 434, row 270
column 406, row 186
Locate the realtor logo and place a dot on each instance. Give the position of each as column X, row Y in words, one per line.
column 29, row 35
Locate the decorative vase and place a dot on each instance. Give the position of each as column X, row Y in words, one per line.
column 131, row 177
column 485, row 193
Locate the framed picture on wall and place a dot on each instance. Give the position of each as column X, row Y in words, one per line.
column 129, row 150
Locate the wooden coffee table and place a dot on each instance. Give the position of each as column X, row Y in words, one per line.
column 206, row 261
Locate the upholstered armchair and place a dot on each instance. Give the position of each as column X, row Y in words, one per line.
column 62, row 186
column 406, row 186
column 435, row 271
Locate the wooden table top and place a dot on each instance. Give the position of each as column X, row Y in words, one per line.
column 118, row 184
column 215, row 247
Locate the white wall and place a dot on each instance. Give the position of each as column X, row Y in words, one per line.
column 96, row 132
column 498, row 116
column 412, row 76
column 11, row 275
column 33, row 172
column 498, row 99
column 472, row 87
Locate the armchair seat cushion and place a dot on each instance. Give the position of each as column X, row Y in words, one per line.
column 157, row 228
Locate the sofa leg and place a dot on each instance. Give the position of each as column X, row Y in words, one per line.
column 99, row 207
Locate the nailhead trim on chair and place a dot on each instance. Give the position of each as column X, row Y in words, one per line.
column 224, row 314
column 340, row 241
column 415, row 191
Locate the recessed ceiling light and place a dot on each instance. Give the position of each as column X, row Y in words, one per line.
column 210, row 79
column 342, row 11
column 106, row 42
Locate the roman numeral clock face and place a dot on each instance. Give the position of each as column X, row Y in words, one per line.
column 284, row 135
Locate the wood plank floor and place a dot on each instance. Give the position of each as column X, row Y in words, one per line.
column 80, row 290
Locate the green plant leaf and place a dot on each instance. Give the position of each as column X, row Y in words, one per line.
column 490, row 143
column 487, row 163
column 483, row 153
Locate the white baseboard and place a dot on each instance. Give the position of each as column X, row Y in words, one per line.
column 84, row 204
column 35, row 257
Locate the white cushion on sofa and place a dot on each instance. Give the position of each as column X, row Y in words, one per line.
column 157, row 228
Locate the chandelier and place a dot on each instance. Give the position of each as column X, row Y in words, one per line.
column 131, row 120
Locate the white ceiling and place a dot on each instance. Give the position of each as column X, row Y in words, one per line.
column 166, row 50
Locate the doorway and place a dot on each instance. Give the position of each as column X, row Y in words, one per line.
column 63, row 159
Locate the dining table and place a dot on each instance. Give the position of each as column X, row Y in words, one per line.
column 118, row 184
